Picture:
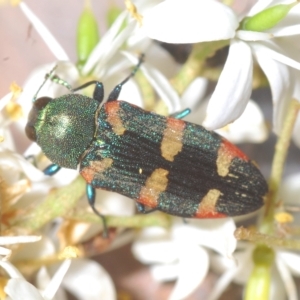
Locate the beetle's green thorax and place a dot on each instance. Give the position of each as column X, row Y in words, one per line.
column 63, row 127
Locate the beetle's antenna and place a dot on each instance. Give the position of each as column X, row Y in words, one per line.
column 46, row 78
column 58, row 80
column 114, row 94
column 141, row 60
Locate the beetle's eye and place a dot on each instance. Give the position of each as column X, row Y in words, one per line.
column 30, row 132
column 38, row 105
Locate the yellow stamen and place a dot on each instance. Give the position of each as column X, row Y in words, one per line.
column 133, row 11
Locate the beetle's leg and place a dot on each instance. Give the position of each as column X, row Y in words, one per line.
column 91, row 195
column 114, row 95
column 51, row 169
column 181, row 114
column 142, row 208
column 98, row 94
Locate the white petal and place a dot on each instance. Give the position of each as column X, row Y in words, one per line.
column 104, row 44
column 17, row 162
column 192, row 267
column 11, row 240
column 42, row 278
column 281, row 84
column 10, row 269
column 5, row 252
column 165, row 272
column 45, row 34
column 115, row 204
column 19, row 289
column 4, row 100
column 108, row 46
column 163, row 88
column 242, row 263
column 30, row 251
column 277, row 290
column 249, row 127
column 259, row 6
column 114, row 47
column 86, row 279
column 287, row 31
column 233, row 90
column 194, row 93
column 290, row 189
column 215, row 234
column 151, row 252
column 190, row 21
column 292, row 260
column 274, row 52
column 222, row 283
column 154, row 245
column 56, row 280
column 253, row 35
column 287, row 279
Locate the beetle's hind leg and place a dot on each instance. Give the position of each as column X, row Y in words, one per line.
column 114, row 95
column 91, row 195
column 181, row 114
column 142, row 208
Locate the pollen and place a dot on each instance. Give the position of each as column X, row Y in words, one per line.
column 133, row 11
column 284, row 217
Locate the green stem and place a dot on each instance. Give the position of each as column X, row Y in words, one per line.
column 271, row 241
column 57, row 204
column 136, row 221
column 194, row 65
column 277, row 167
column 62, row 201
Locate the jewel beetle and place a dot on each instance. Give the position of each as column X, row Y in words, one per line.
column 163, row 163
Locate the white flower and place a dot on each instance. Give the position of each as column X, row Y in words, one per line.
column 179, row 254
column 18, row 288
column 249, row 127
column 282, row 283
column 85, row 279
column 14, row 240
column 286, row 262
column 218, row 22
column 106, row 61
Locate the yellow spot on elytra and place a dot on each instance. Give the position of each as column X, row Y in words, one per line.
column 133, row 11
column 283, row 217
column 96, row 168
column 140, row 170
column 155, row 184
column 209, row 201
column 223, row 162
column 226, row 153
column 113, row 117
column 232, row 175
column 171, row 143
column 1, row 138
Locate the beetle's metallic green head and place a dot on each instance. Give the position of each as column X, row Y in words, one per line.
column 63, row 127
